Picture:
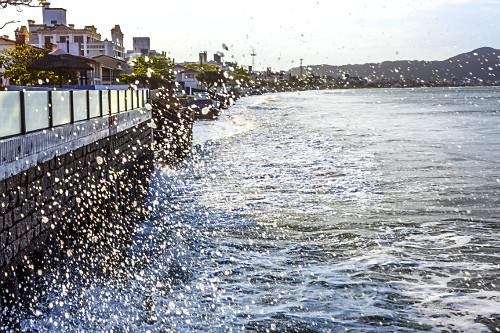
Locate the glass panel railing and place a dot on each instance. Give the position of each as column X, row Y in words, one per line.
column 128, row 96
column 37, row 107
column 80, row 104
column 105, row 102
column 114, row 101
column 136, row 98
column 144, row 97
column 36, row 104
column 10, row 113
column 94, row 104
column 61, row 108
column 121, row 97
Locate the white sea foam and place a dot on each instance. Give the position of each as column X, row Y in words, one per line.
column 365, row 218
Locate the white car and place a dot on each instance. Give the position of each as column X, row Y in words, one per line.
column 201, row 95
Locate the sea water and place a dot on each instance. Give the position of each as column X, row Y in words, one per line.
column 367, row 210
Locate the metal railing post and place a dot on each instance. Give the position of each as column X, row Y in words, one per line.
column 88, row 104
column 100, row 103
column 51, row 115
column 23, row 112
column 109, row 102
column 132, row 99
column 71, row 106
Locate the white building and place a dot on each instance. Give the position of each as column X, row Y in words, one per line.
column 83, row 42
column 142, row 48
column 186, row 78
column 141, row 43
column 111, row 69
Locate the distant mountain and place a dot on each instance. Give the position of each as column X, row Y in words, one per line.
column 482, row 63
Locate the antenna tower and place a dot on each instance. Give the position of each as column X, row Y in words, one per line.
column 253, row 58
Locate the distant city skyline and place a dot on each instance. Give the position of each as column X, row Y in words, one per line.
column 320, row 32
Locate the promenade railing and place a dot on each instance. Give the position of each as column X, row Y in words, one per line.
column 23, row 112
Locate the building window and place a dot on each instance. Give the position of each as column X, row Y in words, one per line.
column 48, row 40
column 62, row 39
column 78, row 39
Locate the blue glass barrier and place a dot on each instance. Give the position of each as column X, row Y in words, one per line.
column 80, row 104
column 121, row 98
column 36, row 104
column 94, row 104
column 136, row 99
column 128, row 98
column 114, row 101
column 39, row 105
column 144, row 97
column 61, row 108
column 105, row 102
column 140, row 99
column 10, row 113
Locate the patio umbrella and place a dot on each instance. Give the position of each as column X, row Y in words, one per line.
column 61, row 62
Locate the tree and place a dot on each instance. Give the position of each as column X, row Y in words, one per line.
column 3, row 59
column 241, row 76
column 153, row 72
column 19, row 4
column 201, row 67
column 211, row 77
column 15, row 62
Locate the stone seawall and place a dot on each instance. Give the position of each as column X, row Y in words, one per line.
column 173, row 132
column 84, row 189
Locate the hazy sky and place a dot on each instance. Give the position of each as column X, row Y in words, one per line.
column 282, row 32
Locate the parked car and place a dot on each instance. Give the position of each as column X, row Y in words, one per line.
column 201, row 95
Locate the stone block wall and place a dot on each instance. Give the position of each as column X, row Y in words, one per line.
column 173, row 132
column 95, row 190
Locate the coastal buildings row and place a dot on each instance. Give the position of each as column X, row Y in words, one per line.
column 78, row 41
column 107, row 57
